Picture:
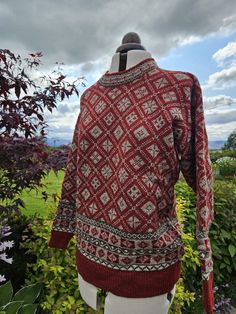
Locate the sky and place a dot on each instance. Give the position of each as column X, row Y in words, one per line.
column 198, row 36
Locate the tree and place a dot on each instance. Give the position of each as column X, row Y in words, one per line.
column 24, row 155
column 231, row 142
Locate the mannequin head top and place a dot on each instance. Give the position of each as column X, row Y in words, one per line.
column 131, row 37
column 130, row 41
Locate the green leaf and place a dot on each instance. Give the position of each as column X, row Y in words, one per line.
column 222, row 265
column 224, row 251
column 229, row 269
column 28, row 294
column 234, row 263
column 28, row 309
column 12, row 307
column 6, row 292
column 226, row 260
column 71, row 299
column 225, row 234
column 232, row 250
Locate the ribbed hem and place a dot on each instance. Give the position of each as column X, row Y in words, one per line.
column 131, row 284
column 59, row 239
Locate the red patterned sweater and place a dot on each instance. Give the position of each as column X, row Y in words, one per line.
column 137, row 129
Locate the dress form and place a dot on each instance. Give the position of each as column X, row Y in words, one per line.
column 127, row 55
column 133, row 57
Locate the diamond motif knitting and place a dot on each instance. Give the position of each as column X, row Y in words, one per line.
column 137, row 129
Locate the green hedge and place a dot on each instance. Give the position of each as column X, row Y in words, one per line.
column 223, row 230
column 216, row 154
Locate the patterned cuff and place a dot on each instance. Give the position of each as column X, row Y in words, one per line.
column 205, row 255
column 64, row 219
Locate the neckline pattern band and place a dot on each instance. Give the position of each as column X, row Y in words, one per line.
column 128, row 75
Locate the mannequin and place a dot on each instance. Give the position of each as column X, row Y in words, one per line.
column 127, row 55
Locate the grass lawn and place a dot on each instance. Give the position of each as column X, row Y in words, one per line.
column 33, row 199
column 34, row 202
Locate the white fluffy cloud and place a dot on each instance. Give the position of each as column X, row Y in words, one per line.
column 222, row 117
column 224, row 53
column 218, row 132
column 220, row 113
column 219, row 102
column 220, row 110
column 223, row 79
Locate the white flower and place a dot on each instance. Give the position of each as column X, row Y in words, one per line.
column 2, row 278
column 6, row 244
column 225, row 158
column 6, row 234
column 4, row 258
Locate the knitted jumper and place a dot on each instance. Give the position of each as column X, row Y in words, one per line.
column 136, row 130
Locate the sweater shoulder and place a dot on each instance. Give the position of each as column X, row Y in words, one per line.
column 181, row 76
column 94, row 88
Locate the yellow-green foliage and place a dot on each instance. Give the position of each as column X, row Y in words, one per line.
column 191, row 256
column 182, row 297
column 189, row 260
column 56, row 269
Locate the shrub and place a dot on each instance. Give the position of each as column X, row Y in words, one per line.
column 183, row 297
column 222, row 234
column 223, row 231
column 226, row 166
column 216, row 154
column 55, row 269
column 222, row 303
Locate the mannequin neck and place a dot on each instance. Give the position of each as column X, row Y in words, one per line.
column 133, row 57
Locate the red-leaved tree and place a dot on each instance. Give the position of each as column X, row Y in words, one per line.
column 24, row 156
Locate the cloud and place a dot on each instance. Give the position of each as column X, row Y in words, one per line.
column 228, row 24
column 65, row 108
column 63, row 132
column 217, row 132
column 222, row 79
column 63, row 111
column 224, row 53
column 81, row 32
column 219, row 101
column 219, row 110
column 221, row 117
column 226, row 78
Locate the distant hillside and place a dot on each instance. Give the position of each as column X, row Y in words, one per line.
column 56, row 141
column 216, row 144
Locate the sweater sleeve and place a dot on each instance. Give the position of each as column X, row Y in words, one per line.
column 64, row 222
column 191, row 141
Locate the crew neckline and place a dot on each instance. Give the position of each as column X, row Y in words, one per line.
column 128, row 75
